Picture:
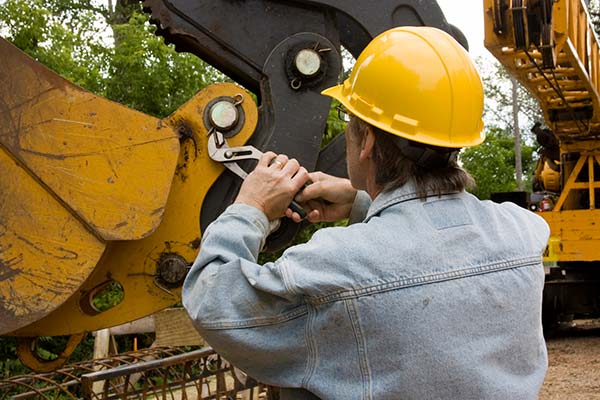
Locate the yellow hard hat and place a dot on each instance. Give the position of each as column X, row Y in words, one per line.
column 417, row 83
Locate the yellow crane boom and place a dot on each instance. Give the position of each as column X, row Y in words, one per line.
column 555, row 57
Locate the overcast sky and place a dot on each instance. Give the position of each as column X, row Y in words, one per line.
column 467, row 15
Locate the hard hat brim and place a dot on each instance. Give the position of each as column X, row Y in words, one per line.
column 334, row 91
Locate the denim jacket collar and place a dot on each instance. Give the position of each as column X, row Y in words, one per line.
column 388, row 198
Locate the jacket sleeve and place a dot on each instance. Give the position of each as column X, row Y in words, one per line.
column 245, row 311
column 361, row 205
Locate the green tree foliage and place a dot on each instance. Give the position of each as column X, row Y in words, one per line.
column 493, row 163
column 111, row 52
column 67, row 42
column 149, row 76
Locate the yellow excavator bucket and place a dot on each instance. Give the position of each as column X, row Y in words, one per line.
column 93, row 193
column 76, row 171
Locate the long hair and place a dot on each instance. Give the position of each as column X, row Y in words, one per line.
column 394, row 168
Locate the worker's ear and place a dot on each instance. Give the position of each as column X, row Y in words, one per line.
column 368, row 144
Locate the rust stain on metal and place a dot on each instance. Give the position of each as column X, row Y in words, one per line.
column 157, row 211
column 133, row 374
column 195, row 244
column 6, row 270
column 65, row 253
column 180, row 171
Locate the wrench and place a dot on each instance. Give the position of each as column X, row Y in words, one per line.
column 220, row 151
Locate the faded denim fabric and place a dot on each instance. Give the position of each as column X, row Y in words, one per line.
column 434, row 299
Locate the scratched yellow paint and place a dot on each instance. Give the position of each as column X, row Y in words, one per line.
column 45, row 252
column 576, row 234
column 92, row 191
column 134, row 263
column 110, row 165
column 77, row 171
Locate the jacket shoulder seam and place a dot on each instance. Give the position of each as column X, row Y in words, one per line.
column 426, row 279
column 361, row 348
column 311, row 346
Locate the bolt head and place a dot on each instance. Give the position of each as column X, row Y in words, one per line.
column 308, row 62
column 223, row 115
column 172, row 269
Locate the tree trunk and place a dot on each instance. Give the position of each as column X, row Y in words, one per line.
column 122, row 11
column 120, row 14
column 517, row 133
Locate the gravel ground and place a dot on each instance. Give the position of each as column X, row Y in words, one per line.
column 574, row 363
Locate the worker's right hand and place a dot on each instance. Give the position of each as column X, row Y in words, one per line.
column 327, row 198
column 272, row 185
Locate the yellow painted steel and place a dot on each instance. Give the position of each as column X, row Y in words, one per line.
column 76, row 170
column 93, row 193
column 112, row 166
column 573, row 186
column 577, row 72
column 575, row 235
column 45, row 252
column 29, row 358
column 134, row 263
column 574, row 220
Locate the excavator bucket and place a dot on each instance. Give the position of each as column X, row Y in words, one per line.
column 76, row 171
column 150, row 271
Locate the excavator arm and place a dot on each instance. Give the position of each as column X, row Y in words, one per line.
column 93, row 194
column 259, row 51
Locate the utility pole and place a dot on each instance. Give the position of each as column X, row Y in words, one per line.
column 517, row 133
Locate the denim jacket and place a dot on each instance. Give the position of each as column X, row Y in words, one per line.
column 424, row 299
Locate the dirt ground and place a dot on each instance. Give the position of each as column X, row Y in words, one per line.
column 574, row 363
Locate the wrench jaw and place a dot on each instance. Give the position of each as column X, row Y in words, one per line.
column 219, row 151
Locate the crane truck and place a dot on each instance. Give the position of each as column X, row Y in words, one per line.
column 551, row 48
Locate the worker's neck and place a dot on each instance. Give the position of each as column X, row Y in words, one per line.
column 371, row 186
column 373, row 189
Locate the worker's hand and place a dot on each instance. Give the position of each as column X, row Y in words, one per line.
column 327, row 198
column 272, row 185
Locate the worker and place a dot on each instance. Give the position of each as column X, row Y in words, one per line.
column 428, row 293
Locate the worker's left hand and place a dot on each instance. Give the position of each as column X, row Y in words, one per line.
column 272, row 185
column 328, row 198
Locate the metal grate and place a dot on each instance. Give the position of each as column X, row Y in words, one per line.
column 159, row 373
